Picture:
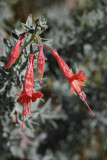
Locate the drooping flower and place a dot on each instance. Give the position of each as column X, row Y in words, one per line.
column 76, row 80
column 40, row 62
column 14, row 53
column 64, row 67
column 28, row 95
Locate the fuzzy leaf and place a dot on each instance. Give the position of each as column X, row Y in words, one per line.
column 7, row 43
column 31, row 31
column 46, row 40
column 25, row 26
column 29, row 21
column 15, row 35
column 23, row 66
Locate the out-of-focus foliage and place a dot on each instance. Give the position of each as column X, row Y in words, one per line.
column 61, row 127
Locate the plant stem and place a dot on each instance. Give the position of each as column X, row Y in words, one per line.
column 47, row 47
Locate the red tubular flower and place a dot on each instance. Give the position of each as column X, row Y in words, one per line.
column 14, row 53
column 28, row 95
column 40, row 62
column 64, row 67
column 76, row 80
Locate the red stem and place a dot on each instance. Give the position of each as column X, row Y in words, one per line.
column 47, row 47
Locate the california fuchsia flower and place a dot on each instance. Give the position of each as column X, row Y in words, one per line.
column 14, row 53
column 76, row 80
column 40, row 62
column 64, row 67
column 28, row 95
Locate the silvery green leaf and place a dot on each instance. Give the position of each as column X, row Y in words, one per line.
column 7, row 43
column 17, row 31
column 46, row 40
column 29, row 21
column 25, row 26
column 31, row 31
column 15, row 35
column 23, row 66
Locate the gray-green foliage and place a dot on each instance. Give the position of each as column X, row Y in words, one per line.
column 11, row 112
column 61, row 128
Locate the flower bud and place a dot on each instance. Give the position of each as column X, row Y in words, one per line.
column 40, row 62
column 14, row 53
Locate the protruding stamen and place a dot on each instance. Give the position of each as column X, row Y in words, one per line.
column 83, row 97
column 82, row 94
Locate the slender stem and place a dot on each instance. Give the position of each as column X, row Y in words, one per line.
column 38, row 41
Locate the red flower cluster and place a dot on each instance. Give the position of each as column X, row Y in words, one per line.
column 76, row 80
column 27, row 95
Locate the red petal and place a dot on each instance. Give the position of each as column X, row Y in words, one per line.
column 36, row 95
column 21, row 95
column 73, row 89
column 19, row 99
column 81, row 83
column 80, row 73
column 76, row 86
column 83, row 77
column 39, row 94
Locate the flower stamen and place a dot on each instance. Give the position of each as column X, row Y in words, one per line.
column 83, row 97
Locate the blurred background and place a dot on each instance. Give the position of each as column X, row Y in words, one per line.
column 62, row 127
